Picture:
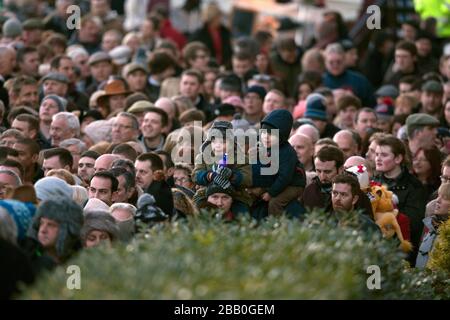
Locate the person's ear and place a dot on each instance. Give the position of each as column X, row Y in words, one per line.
column 35, row 158
column 339, row 171
column 114, row 196
column 398, row 159
column 355, row 199
column 33, row 134
column 130, row 192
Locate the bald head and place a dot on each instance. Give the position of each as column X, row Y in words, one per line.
column 304, row 147
column 167, row 105
column 346, row 143
column 104, row 162
column 7, row 60
column 310, row 131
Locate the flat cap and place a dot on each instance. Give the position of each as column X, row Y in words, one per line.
column 132, row 67
column 420, row 120
column 33, row 24
column 99, row 57
column 387, row 91
column 432, row 86
column 55, row 76
column 141, row 106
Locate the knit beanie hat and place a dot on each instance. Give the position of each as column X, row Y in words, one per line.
column 69, row 216
column 222, row 129
column 50, row 187
column 316, row 108
column 22, row 213
column 101, row 221
column 214, row 188
column 12, row 28
column 260, row 91
column 60, row 102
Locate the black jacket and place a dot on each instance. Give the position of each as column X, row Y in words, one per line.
column 412, row 201
column 204, row 36
column 15, row 267
column 163, row 196
column 290, row 170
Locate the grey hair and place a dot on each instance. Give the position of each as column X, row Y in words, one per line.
column 8, row 227
column 125, row 206
column 334, row 48
column 12, row 174
column 74, row 142
column 72, row 121
column 132, row 117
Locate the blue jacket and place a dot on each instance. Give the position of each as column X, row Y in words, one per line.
column 354, row 81
column 290, row 170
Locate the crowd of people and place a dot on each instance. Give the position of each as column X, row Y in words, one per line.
column 155, row 117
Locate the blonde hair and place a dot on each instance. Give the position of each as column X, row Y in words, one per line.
column 101, row 148
column 444, row 191
column 62, row 174
column 80, row 195
column 170, row 87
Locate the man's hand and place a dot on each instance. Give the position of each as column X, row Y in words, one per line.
column 266, row 196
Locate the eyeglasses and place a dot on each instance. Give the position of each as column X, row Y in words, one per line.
column 444, row 179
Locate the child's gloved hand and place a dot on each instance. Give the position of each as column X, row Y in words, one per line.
column 225, row 172
column 222, row 182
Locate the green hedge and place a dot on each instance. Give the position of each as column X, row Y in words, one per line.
column 209, row 259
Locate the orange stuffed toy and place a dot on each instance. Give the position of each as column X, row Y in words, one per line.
column 386, row 215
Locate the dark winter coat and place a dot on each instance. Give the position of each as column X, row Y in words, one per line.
column 412, row 201
column 290, row 170
column 354, row 81
column 163, row 196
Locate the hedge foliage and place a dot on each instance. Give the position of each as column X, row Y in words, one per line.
column 275, row 259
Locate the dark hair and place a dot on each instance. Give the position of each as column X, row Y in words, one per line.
column 284, row 43
column 365, row 109
column 107, row 175
column 90, row 154
column 168, row 163
column 162, row 113
column 396, row 145
column 160, row 61
column 22, row 52
column 125, row 150
column 56, row 61
column 350, row 180
column 194, row 73
column 33, row 122
column 64, row 155
column 331, row 153
column 124, row 163
column 155, row 161
column 14, row 164
column 31, row 144
column 130, row 179
column 347, row 101
column 433, row 155
column 407, row 46
column 135, row 97
column 21, row 81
